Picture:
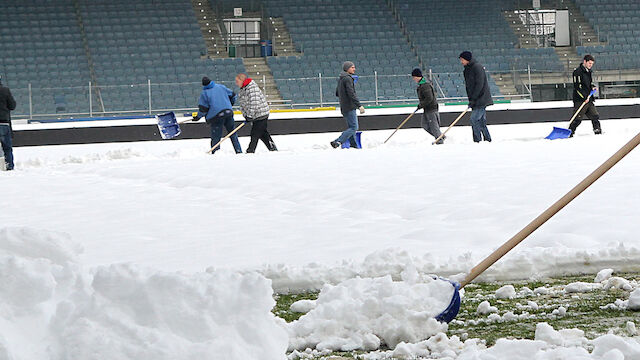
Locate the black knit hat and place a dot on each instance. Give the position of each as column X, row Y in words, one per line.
column 416, row 72
column 466, row 55
column 206, row 81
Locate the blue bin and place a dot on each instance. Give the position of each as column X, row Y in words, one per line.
column 266, row 48
column 358, row 145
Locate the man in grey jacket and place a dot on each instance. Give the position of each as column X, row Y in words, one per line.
column 346, row 92
column 7, row 104
column 255, row 109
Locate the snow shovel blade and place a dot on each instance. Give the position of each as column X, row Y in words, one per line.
column 168, row 125
column 454, row 305
column 559, row 133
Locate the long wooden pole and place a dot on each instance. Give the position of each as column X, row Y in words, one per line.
column 226, row 137
column 399, row 126
column 450, row 126
column 551, row 211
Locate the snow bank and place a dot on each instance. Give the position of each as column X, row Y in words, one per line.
column 363, row 313
column 52, row 308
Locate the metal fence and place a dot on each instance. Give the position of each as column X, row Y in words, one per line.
column 375, row 89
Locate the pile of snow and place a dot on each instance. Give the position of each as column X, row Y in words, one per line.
column 634, row 300
column 303, row 306
column 603, row 275
column 549, row 344
column 363, row 313
column 51, row 307
column 485, row 308
column 506, row 292
column 581, row 287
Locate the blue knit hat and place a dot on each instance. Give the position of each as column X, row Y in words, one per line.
column 466, row 55
column 416, row 72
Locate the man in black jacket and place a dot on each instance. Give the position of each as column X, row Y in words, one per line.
column 346, row 92
column 427, row 101
column 475, row 80
column 582, row 86
column 7, row 104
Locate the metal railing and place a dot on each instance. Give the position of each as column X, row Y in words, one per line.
column 150, row 98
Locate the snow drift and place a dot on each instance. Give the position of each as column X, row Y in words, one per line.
column 52, row 308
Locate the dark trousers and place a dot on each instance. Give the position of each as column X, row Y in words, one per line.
column 259, row 132
column 590, row 111
column 225, row 119
column 7, row 145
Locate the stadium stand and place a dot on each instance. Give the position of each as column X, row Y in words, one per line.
column 330, row 32
column 135, row 40
column 619, row 22
column 41, row 45
column 440, row 30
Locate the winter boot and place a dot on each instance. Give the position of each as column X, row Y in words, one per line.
column 335, row 144
column 597, row 131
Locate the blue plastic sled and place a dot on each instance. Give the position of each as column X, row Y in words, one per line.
column 559, row 133
column 168, row 125
column 358, row 144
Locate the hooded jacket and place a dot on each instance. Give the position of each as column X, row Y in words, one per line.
column 7, row 104
column 427, row 96
column 346, row 92
column 214, row 99
column 253, row 104
column 475, row 80
column 582, row 84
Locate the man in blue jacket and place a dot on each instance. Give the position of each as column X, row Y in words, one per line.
column 215, row 105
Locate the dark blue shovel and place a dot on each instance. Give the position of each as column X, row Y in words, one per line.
column 562, row 133
column 454, row 306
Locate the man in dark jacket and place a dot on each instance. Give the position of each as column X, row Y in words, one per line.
column 346, row 92
column 7, row 104
column 427, row 101
column 475, row 80
column 215, row 104
column 582, row 86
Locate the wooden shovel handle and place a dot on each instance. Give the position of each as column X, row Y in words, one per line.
column 551, row 211
column 450, row 126
column 399, row 126
column 225, row 138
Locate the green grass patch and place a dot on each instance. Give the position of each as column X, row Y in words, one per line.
column 583, row 310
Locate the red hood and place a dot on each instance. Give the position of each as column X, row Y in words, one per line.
column 246, row 82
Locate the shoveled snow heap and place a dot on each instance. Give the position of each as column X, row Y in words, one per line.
column 549, row 344
column 51, row 308
column 363, row 313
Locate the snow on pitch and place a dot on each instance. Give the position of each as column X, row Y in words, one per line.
column 303, row 217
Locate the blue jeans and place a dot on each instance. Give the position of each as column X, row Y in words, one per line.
column 352, row 123
column 7, row 146
column 479, row 125
column 217, row 123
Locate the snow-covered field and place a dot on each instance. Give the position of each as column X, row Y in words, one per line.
column 303, row 217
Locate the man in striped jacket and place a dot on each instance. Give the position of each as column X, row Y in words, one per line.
column 255, row 109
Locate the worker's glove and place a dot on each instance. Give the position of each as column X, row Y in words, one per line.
column 361, row 108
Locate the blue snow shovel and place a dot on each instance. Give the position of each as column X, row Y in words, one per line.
column 454, row 306
column 358, row 145
column 168, row 125
column 562, row 133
